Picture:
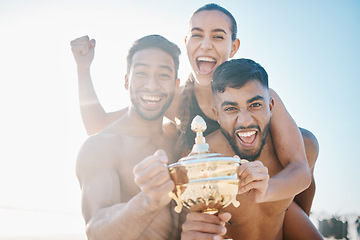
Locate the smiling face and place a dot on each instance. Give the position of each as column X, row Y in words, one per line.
column 244, row 116
column 209, row 43
column 151, row 82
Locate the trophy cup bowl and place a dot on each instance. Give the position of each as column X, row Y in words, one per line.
column 204, row 182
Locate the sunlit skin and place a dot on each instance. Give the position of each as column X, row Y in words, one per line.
column 123, row 170
column 244, row 118
column 152, row 86
column 247, row 107
column 244, row 114
column 209, row 44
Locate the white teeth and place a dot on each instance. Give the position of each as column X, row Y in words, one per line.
column 206, row 59
column 246, row 134
column 151, row 98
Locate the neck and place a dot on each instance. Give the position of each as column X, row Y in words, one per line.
column 203, row 94
column 205, row 99
column 138, row 126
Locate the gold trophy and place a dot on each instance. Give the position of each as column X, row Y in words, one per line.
column 204, row 182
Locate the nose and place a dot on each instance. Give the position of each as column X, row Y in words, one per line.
column 244, row 118
column 152, row 83
column 206, row 43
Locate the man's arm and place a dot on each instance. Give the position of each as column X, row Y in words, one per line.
column 105, row 215
column 93, row 114
column 305, row 198
column 289, row 145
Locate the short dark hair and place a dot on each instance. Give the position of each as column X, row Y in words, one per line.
column 236, row 73
column 158, row 42
column 214, row 6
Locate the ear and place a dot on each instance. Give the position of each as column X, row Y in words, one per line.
column 177, row 84
column 234, row 47
column 271, row 104
column 185, row 40
column 126, row 85
column 215, row 112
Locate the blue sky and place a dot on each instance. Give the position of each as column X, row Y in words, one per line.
column 310, row 50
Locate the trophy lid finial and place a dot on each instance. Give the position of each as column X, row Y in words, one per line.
column 198, row 125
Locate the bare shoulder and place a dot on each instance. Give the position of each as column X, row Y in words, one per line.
column 170, row 130
column 278, row 102
column 214, row 137
column 309, row 137
column 273, row 93
column 96, row 154
column 219, row 144
column 173, row 111
column 311, row 146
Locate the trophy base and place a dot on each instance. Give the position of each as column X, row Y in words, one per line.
column 210, row 211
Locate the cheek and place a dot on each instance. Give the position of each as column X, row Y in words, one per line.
column 227, row 121
column 224, row 50
column 168, row 85
column 189, row 51
column 170, row 88
column 264, row 120
column 191, row 46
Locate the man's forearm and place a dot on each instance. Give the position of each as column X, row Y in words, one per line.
column 122, row 221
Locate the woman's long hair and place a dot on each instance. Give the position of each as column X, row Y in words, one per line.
column 183, row 146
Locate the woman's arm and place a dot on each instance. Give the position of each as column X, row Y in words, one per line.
column 290, row 150
column 93, row 114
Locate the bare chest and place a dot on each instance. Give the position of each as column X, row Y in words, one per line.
column 130, row 153
column 251, row 219
column 163, row 227
column 256, row 220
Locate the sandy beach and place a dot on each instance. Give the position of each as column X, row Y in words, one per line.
column 50, row 237
column 25, row 224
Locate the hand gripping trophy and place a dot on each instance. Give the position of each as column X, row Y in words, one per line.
column 204, row 182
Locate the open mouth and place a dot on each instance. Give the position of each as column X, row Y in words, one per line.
column 151, row 99
column 247, row 138
column 206, row 64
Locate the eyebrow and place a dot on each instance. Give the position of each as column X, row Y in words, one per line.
column 256, row 98
column 166, row 67
column 225, row 103
column 215, row 30
column 140, row 65
column 146, row 65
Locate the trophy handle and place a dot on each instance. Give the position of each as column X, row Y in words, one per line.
column 179, row 206
column 235, row 203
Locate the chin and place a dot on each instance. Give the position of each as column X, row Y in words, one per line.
column 203, row 80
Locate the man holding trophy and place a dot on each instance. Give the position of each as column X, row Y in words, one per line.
column 243, row 106
column 123, row 170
